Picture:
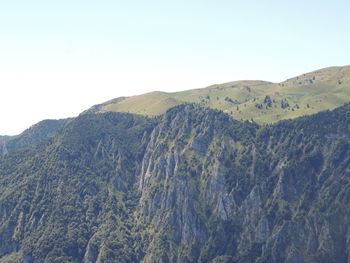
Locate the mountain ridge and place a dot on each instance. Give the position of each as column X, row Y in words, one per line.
column 191, row 185
column 34, row 135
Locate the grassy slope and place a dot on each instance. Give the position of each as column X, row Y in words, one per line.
column 306, row 94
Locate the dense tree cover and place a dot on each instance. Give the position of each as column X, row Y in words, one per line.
column 192, row 185
column 32, row 136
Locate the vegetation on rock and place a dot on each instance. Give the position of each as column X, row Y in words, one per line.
column 191, row 185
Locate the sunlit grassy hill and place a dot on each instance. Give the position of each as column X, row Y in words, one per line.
column 264, row 102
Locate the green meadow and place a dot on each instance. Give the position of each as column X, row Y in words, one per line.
column 261, row 101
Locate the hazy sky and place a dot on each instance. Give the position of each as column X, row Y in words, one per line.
column 59, row 57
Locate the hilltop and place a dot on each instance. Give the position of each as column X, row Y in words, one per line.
column 265, row 102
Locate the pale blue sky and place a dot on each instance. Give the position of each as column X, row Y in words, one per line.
column 60, row 57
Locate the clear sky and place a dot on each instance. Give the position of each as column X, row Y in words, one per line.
column 59, row 57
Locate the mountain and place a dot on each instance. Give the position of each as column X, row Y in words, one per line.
column 265, row 102
column 31, row 136
column 190, row 185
